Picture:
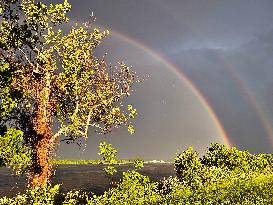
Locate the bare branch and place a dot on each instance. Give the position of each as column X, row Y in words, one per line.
column 61, row 131
column 25, row 55
column 88, row 120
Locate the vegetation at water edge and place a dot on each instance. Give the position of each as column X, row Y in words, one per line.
column 222, row 176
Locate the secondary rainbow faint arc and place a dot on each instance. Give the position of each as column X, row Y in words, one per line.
column 242, row 85
column 183, row 77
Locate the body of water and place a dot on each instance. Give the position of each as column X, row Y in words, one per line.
column 86, row 177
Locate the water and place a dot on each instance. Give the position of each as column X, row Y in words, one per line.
column 87, row 177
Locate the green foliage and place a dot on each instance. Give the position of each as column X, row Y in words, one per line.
column 9, row 96
column 255, row 188
column 39, row 15
column 39, row 196
column 138, row 163
column 223, row 175
column 233, row 159
column 75, row 198
column 81, row 101
column 12, row 153
column 109, row 156
column 187, row 166
column 134, row 188
column 48, row 75
column 212, row 185
column 43, row 195
column 20, row 199
column 218, row 160
column 167, row 185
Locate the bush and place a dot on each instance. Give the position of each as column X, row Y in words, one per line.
column 222, row 176
column 12, row 153
column 246, row 189
column 45, row 195
column 188, row 166
column 167, row 185
column 233, row 159
column 75, row 198
column 134, row 188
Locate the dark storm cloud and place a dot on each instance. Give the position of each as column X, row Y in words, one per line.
column 222, row 23
column 243, row 32
column 201, row 37
column 177, row 23
column 252, row 65
column 184, row 23
column 228, row 98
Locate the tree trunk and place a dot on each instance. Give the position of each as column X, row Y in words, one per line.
column 41, row 169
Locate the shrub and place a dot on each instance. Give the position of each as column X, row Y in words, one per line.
column 167, row 185
column 138, row 163
column 134, row 188
column 109, row 156
column 75, row 198
column 233, row 159
column 247, row 189
column 188, row 166
column 45, row 195
column 222, row 176
column 12, row 153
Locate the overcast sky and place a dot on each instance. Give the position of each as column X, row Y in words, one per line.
column 224, row 47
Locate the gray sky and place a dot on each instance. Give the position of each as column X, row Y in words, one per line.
column 224, row 47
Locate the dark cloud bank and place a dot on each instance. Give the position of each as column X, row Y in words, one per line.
column 224, row 47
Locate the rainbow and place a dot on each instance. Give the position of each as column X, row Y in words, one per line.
column 242, row 85
column 250, row 96
column 178, row 72
column 182, row 76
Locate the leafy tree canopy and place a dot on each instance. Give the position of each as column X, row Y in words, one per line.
column 48, row 75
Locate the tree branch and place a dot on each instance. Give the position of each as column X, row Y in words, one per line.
column 25, row 55
column 61, row 131
column 88, row 120
column 84, row 134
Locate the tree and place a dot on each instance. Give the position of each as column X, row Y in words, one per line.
column 58, row 79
